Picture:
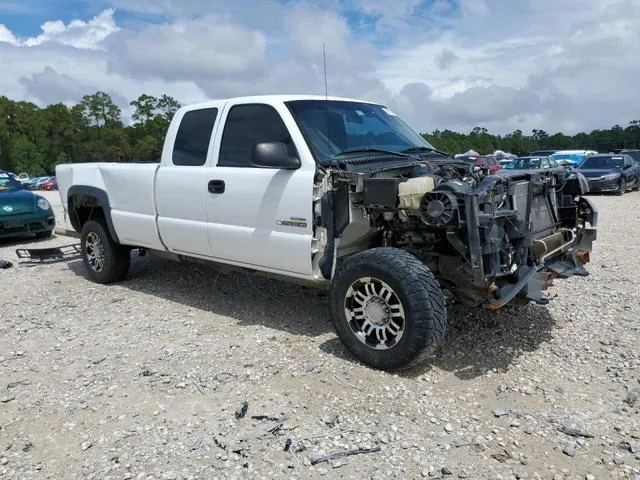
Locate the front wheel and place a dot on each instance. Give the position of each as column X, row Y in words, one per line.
column 387, row 308
column 105, row 260
column 623, row 187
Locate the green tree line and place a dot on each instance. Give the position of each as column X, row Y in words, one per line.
column 35, row 140
column 480, row 140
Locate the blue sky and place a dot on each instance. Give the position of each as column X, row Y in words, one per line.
column 25, row 18
column 501, row 64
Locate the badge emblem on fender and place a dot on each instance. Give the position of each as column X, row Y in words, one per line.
column 293, row 222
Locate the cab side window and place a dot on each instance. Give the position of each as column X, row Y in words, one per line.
column 192, row 140
column 247, row 125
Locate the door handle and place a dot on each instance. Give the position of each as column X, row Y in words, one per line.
column 216, row 186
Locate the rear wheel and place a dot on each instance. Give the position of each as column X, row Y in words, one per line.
column 387, row 308
column 105, row 260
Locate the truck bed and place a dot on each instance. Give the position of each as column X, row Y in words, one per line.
column 130, row 188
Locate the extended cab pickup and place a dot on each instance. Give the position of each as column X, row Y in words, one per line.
column 340, row 194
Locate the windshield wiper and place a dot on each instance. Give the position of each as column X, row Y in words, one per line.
column 376, row 150
column 424, row 149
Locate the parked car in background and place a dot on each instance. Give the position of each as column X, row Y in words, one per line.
column 632, row 152
column 23, row 212
column 23, row 177
column 611, row 173
column 542, row 153
column 36, row 182
column 483, row 161
column 50, row 184
column 531, row 163
column 503, row 158
column 572, row 157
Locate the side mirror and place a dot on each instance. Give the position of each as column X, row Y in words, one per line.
column 273, row 155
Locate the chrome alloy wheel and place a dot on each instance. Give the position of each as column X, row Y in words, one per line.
column 374, row 313
column 94, row 250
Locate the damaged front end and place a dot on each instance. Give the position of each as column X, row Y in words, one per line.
column 559, row 226
column 491, row 240
column 514, row 233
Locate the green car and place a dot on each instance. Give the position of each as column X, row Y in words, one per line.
column 23, row 212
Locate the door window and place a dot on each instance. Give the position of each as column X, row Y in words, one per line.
column 247, row 125
column 192, row 140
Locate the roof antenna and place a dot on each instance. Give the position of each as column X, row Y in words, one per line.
column 324, row 59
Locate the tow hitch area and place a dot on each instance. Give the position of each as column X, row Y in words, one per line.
column 52, row 253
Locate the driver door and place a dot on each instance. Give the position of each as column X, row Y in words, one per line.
column 259, row 217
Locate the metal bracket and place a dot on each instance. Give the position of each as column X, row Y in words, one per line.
column 54, row 253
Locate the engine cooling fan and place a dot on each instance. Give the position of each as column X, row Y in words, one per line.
column 438, row 209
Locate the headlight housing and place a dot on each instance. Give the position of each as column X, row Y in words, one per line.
column 43, row 203
column 611, row 176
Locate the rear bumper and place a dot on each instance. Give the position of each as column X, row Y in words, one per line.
column 16, row 226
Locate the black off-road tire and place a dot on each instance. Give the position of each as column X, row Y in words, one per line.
column 623, row 187
column 416, row 289
column 116, row 258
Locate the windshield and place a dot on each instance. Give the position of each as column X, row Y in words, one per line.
column 525, row 163
column 603, row 163
column 8, row 184
column 332, row 127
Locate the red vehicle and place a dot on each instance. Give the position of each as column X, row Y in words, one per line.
column 484, row 161
column 50, row 185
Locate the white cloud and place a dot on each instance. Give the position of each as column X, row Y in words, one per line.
column 497, row 63
column 189, row 49
column 78, row 33
column 6, row 36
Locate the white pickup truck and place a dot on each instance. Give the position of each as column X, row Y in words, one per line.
column 343, row 195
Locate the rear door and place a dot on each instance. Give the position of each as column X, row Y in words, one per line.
column 260, row 217
column 181, row 184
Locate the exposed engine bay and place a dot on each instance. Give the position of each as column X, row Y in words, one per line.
column 490, row 239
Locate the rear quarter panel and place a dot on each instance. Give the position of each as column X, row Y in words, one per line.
column 130, row 190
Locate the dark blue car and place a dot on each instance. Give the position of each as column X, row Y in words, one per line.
column 609, row 173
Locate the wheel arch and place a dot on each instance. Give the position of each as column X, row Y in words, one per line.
column 84, row 203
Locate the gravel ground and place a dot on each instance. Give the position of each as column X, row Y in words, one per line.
column 142, row 380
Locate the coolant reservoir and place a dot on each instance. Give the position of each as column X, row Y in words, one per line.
column 410, row 193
